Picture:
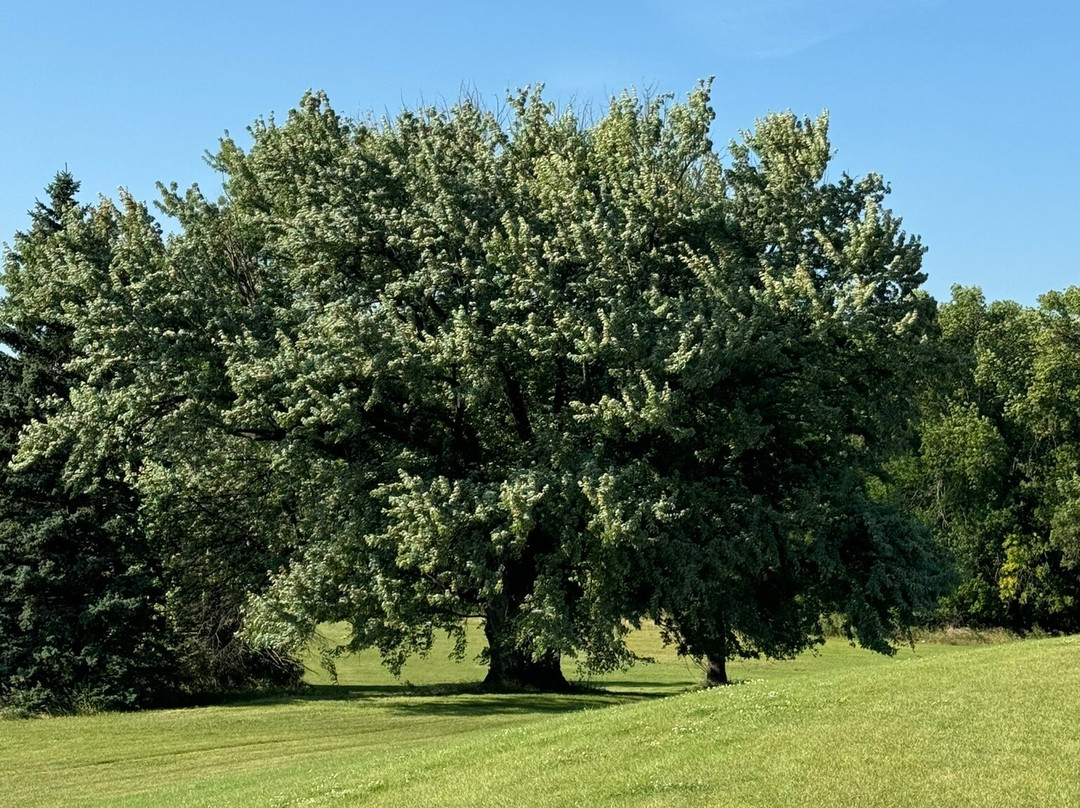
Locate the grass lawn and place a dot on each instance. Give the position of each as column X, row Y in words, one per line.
column 941, row 725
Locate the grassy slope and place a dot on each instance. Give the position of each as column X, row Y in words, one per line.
column 966, row 726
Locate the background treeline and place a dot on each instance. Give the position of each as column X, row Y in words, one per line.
column 995, row 472
column 560, row 376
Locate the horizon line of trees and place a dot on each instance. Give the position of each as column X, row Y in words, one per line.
column 558, row 376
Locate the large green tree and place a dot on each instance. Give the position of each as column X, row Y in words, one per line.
column 550, row 375
column 812, row 338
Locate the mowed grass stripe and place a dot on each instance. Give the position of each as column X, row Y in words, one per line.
column 951, row 726
column 54, row 761
column 987, row 726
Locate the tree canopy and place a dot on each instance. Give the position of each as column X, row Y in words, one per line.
column 553, row 374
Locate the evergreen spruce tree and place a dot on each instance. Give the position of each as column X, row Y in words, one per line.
column 80, row 626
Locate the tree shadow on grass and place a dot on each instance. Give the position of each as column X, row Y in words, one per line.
column 645, row 689
column 508, row 704
column 467, row 698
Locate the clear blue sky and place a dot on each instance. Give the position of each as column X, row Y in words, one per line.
column 970, row 109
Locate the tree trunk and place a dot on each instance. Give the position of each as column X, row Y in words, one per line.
column 511, row 668
column 716, row 658
column 715, row 671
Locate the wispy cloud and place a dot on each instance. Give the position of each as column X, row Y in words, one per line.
column 774, row 29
